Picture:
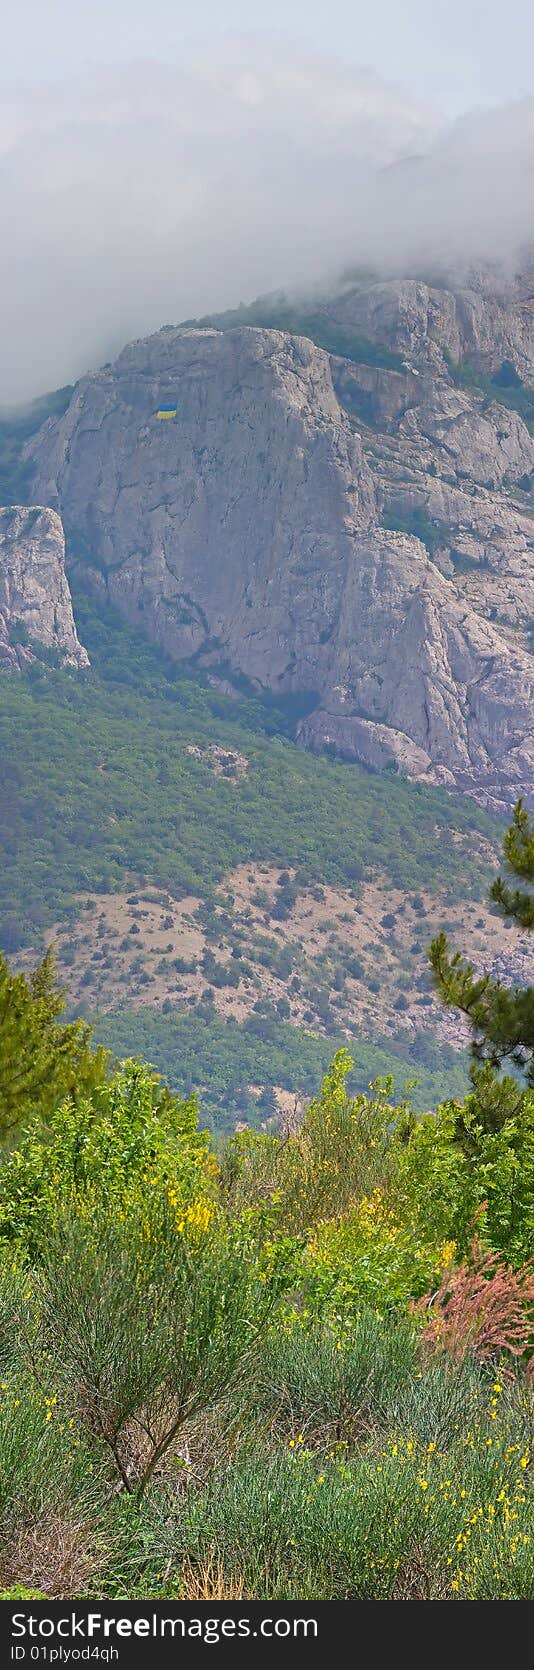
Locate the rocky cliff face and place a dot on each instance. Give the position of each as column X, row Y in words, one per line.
column 482, row 322
column 270, row 528
column 35, row 601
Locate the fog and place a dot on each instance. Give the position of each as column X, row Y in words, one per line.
column 141, row 194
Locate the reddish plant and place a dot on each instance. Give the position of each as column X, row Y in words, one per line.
column 482, row 1307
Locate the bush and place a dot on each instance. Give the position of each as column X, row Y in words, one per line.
column 369, row 1258
column 473, row 1156
column 329, row 1387
column 341, row 1147
column 149, row 1320
column 106, row 1148
column 483, row 1308
column 404, row 1523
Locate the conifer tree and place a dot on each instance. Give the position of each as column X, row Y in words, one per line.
column 501, row 1017
column 43, row 1060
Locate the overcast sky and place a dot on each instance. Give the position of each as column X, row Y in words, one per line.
column 458, row 52
column 151, row 171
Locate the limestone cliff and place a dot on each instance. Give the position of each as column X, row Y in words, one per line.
column 479, row 321
column 35, row 601
column 268, row 529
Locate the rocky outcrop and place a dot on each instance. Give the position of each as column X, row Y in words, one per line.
column 35, row 602
column 248, row 532
column 443, row 697
column 481, row 443
column 428, row 323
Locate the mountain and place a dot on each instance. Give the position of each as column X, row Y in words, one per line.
column 315, row 566
column 349, row 524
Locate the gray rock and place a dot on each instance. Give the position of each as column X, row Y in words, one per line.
column 479, row 443
column 246, row 531
column 35, row 601
column 426, row 323
column 451, row 702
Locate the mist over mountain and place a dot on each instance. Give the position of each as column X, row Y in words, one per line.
column 143, row 193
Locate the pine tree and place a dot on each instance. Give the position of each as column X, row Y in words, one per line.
column 42, row 1059
column 501, row 1017
column 519, row 855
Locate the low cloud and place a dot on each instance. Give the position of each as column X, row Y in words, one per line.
column 135, row 196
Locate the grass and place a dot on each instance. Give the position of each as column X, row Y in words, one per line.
column 379, row 1479
column 351, row 1469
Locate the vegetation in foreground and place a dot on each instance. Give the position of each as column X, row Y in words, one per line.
column 301, row 1370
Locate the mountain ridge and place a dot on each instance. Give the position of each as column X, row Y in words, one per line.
column 257, row 532
column 343, row 517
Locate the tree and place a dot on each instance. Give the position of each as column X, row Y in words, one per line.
column 43, row 1060
column 501, row 1017
column 519, row 855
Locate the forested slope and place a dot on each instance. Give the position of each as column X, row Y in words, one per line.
column 298, row 893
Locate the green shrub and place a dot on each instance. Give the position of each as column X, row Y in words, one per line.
column 132, row 1132
column 327, row 1386
column 370, row 1257
column 404, row 1523
column 457, row 1169
column 335, row 1157
column 150, row 1317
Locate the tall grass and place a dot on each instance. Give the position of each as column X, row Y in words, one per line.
column 332, row 1388
column 404, row 1522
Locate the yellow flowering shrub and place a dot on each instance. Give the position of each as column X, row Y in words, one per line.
column 130, row 1144
column 368, row 1258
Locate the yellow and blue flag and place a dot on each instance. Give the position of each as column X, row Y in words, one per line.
column 166, row 411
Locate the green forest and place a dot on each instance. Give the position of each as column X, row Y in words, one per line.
column 99, row 790
column 100, row 795
column 220, row 1058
